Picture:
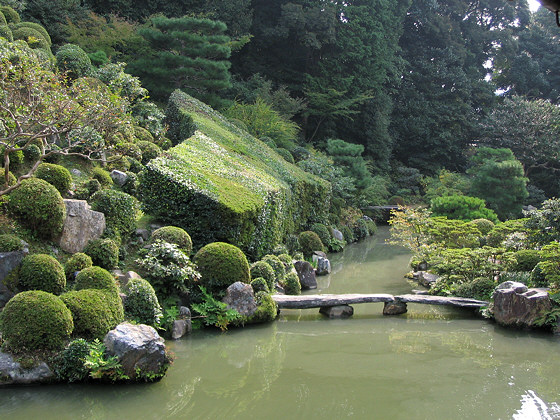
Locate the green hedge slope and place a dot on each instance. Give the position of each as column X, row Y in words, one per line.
column 222, row 184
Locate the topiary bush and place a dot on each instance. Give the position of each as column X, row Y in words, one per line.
column 31, row 153
column 286, row 155
column 45, row 213
column 39, row 28
column 87, row 189
column 149, row 151
column 286, row 260
column 35, row 320
column 103, row 252
column 483, row 225
column 526, row 259
column 361, row 230
column 77, row 262
column 41, row 272
column 371, row 226
column 32, row 36
column 292, row 286
column 10, row 243
column 6, row 32
column 141, row 304
column 10, row 14
column 135, row 165
column 129, row 149
column 292, row 243
column 323, row 232
column 480, row 288
column 462, row 207
column 260, row 285
column 68, row 365
column 130, row 186
column 221, row 265
column 309, row 242
column 119, row 209
column 277, row 266
column 265, row 271
column 73, row 60
column 91, row 313
column 96, row 278
column 102, row 176
column 174, row 235
column 56, row 175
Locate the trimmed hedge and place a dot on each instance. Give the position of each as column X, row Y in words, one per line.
column 260, row 285
column 56, row 175
column 6, row 32
column 96, row 278
column 141, row 304
column 39, row 28
column 73, row 60
column 102, row 176
column 10, row 14
column 103, row 252
column 309, row 242
column 77, row 262
column 149, row 151
column 35, row 320
column 41, row 272
column 292, row 285
column 277, row 265
column 119, row 209
column 45, row 213
column 225, row 185
column 173, row 235
column 221, row 265
column 33, row 37
column 263, row 270
column 91, row 313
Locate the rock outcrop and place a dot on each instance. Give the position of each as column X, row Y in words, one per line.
column 240, row 296
column 12, row 373
column 323, row 266
column 306, row 275
column 81, row 225
column 517, row 306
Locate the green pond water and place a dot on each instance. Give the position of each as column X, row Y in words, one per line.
column 431, row 363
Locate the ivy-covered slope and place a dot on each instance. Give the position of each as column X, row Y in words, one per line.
column 222, row 184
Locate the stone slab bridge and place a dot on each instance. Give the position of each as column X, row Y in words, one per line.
column 338, row 306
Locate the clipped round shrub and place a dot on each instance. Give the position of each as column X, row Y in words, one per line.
column 264, row 270
column 69, row 363
column 309, row 242
column 483, row 225
column 87, row 189
column 298, row 256
column 141, row 304
column 300, row 153
column 73, row 60
column 103, row 252
column 96, row 278
column 32, row 153
column 174, row 235
column 480, row 288
column 220, row 265
column 6, row 32
column 11, row 178
column 292, row 286
column 41, row 272
column 277, row 266
column 119, row 209
column 16, row 158
column 130, row 149
column 396, row 200
column 9, row 243
column 280, row 249
column 3, row 21
column 526, row 259
column 286, row 260
column 286, row 155
column 269, row 142
column 130, row 186
column 56, row 175
column 33, row 37
column 322, row 231
column 77, row 262
column 149, row 151
column 143, row 135
column 371, row 226
column 260, row 285
column 10, row 14
column 102, row 176
column 91, row 312
column 45, row 213
column 35, row 320
column 538, row 278
column 348, row 234
column 360, row 229
column 39, row 28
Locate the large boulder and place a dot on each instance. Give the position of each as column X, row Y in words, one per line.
column 119, row 177
column 139, row 348
column 240, row 296
column 81, row 226
column 12, row 373
column 9, row 261
column 425, row 279
column 323, row 266
column 306, row 275
column 516, row 306
column 338, row 234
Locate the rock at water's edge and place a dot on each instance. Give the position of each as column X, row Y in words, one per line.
column 12, row 373
column 240, row 296
column 520, row 309
column 323, row 266
column 306, row 275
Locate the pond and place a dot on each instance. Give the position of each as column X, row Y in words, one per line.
column 433, row 362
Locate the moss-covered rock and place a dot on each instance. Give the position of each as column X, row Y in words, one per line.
column 225, row 185
column 174, row 235
column 141, row 304
column 221, row 265
column 35, row 320
column 267, row 309
column 44, row 213
column 91, row 312
column 41, row 272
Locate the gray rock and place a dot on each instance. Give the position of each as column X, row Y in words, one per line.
column 342, row 311
column 81, row 226
column 394, row 308
column 76, row 172
column 9, row 261
column 240, row 296
column 143, row 233
column 317, row 254
column 425, row 279
column 338, row 234
column 513, row 285
column 137, row 347
column 184, row 312
column 323, row 267
column 12, row 373
column 306, row 275
column 119, row 177
column 520, row 309
column 180, row 328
